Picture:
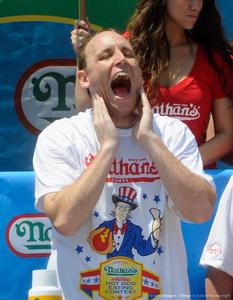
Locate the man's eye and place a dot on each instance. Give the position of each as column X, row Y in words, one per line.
column 129, row 54
column 105, row 56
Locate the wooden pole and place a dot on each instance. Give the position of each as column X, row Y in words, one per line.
column 82, row 10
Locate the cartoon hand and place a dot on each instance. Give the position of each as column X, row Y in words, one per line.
column 157, row 223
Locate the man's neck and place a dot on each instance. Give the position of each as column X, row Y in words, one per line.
column 125, row 122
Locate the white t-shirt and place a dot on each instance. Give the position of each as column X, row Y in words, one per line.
column 137, row 268
column 218, row 250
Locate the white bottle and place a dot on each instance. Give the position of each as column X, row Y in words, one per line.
column 44, row 286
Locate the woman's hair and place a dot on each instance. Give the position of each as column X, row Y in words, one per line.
column 148, row 38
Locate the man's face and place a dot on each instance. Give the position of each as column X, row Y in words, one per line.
column 113, row 72
column 122, row 211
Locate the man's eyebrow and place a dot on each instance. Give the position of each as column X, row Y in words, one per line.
column 104, row 51
column 127, row 48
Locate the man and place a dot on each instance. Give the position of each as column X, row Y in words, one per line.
column 81, row 162
column 218, row 251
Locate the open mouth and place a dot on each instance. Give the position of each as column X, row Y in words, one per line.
column 121, row 85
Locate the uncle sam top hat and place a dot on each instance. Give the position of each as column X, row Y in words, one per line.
column 127, row 195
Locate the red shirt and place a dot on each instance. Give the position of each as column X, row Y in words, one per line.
column 191, row 99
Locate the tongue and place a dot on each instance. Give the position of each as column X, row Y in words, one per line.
column 120, row 91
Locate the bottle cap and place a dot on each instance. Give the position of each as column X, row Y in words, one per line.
column 44, row 278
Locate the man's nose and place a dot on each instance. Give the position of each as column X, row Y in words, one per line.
column 120, row 58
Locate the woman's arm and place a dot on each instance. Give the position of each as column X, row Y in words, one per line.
column 222, row 143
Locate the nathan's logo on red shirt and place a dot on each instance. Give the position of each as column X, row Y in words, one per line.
column 45, row 92
column 179, row 111
column 130, row 170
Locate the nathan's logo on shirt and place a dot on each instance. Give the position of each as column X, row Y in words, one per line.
column 133, row 170
column 120, row 278
column 109, row 270
column 45, row 92
column 130, row 170
column 214, row 249
column 29, row 235
column 183, row 112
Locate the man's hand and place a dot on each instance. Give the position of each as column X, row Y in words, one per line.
column 105, row 129
column 79, row 34
column 143, row 127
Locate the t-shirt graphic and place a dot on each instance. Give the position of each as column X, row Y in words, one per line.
column 120, row 277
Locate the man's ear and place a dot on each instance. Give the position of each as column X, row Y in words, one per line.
column 83, row 79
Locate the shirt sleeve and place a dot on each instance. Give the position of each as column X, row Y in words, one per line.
column 218, row 250
column 54, row 164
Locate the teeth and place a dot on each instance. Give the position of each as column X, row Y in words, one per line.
column 121, row 74
column 121, row 80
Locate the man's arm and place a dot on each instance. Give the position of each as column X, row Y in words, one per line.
column 219, row 285
column 191, row 194
column 217, row 254
column 69, row 208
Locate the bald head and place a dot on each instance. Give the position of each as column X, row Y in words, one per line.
column 110, row 69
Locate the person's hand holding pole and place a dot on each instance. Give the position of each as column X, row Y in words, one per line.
column 81, row 28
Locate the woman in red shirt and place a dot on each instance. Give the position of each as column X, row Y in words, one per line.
column 187, row 68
